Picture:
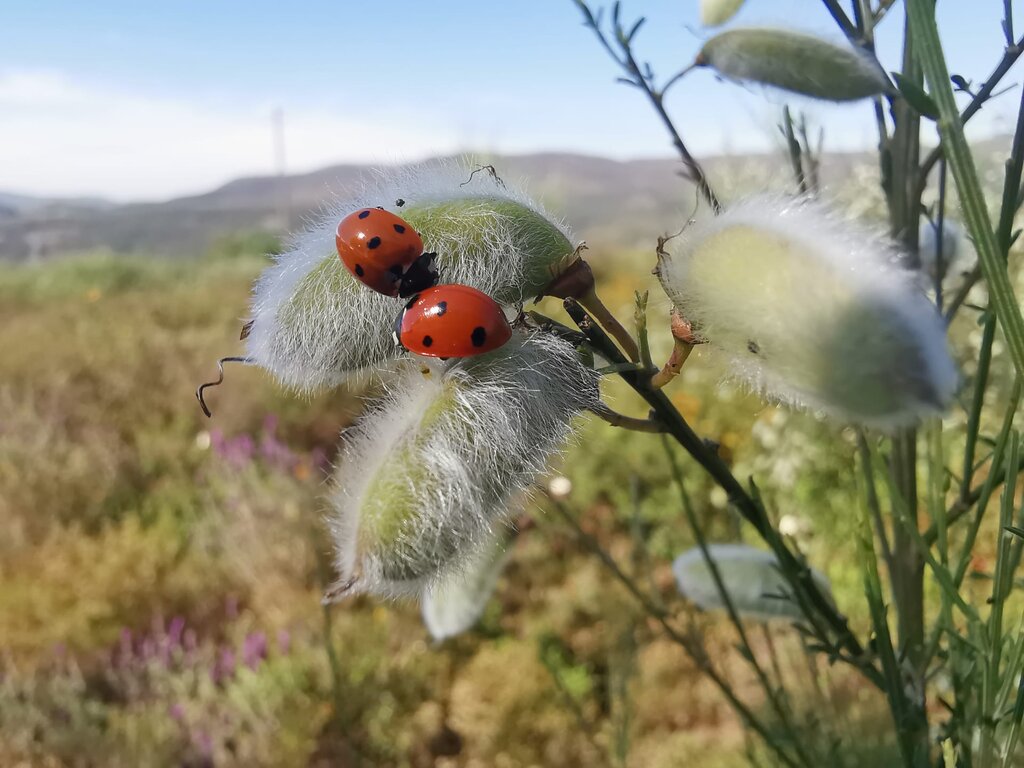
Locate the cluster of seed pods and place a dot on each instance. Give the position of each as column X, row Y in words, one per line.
column 386, row 254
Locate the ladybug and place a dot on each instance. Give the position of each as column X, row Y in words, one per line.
column 451, row 321
column 384, row 252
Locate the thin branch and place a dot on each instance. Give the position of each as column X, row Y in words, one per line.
column 1010, row 56
column 871, row 493
column 617, row 419
column 643, row 79
column 796, row 572
column 842, row 19
column 693, row 649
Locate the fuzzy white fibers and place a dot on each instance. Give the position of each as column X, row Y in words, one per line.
column 751, row 577
column 452, row 606
column 427, row 475
column 809, row 308
column 314, row 323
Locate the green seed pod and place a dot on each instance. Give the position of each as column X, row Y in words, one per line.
column 795, row 62
column 452, row 606
column 714, row 13
column 751, row 577
column 427, row 476
column 809, row 308
column 499, row 245
column 314, row 323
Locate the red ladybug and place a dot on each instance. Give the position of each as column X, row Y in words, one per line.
column 451, row 321
column 384, row 252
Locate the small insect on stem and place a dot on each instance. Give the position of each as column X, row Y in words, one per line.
column 491, row 171
column 220, row 380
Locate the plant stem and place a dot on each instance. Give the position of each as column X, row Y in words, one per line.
column 893, row 686
column 921, row 22
column 688, row 644
column 642, row 80
column 797, row 573
column 774, row 699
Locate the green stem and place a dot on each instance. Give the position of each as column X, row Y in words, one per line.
column 797, row 573
column 770, row 691
column 688, row 644
column 921, row 22
column 893, row 687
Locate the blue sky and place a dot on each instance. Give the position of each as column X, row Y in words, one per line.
column 133, row 100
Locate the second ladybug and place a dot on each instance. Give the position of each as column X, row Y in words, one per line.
column 451, row 321
column 384, row 252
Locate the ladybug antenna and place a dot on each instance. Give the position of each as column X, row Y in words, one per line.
column 220, row 380
column 521, row 319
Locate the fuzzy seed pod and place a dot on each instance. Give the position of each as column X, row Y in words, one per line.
column 452, row 606
column 427, row 475
column 714, row 13
column 751, row 577
column 957, row 256
column 795, row 62
column 809, row 308
column 314, row 323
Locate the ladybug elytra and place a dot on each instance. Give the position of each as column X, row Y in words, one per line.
column 451, row 321
column 384, row 252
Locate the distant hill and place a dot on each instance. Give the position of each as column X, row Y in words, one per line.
column 611, row 204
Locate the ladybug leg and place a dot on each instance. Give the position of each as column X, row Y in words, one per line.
column 396, row 333
column 420, row 275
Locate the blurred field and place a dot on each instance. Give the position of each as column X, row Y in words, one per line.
column 160, row 573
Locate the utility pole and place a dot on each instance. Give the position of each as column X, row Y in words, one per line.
column 280, row 168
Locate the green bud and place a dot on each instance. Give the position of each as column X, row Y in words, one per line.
column 795, row 62
column 714, row 13
column 496, row 244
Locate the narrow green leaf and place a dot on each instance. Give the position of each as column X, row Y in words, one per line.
column 916, row 96
column 921, row 19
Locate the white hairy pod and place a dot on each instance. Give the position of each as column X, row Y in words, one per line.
column 427, row 475
column 313, row 323
column 811, row 309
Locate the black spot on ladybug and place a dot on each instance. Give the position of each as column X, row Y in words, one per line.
column 363, row 214
column 753, row 347
column 441, row 308
column 427, row 341
column 399, row 229
column 479, row 336
column 359, row 270
column 373, row 242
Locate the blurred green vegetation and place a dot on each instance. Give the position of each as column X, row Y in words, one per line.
column 160, row 573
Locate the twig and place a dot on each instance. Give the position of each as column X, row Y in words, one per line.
column 797, row 573
column 688, row 644
column 643, row 80
column 617, row 419
column 1010, row 56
